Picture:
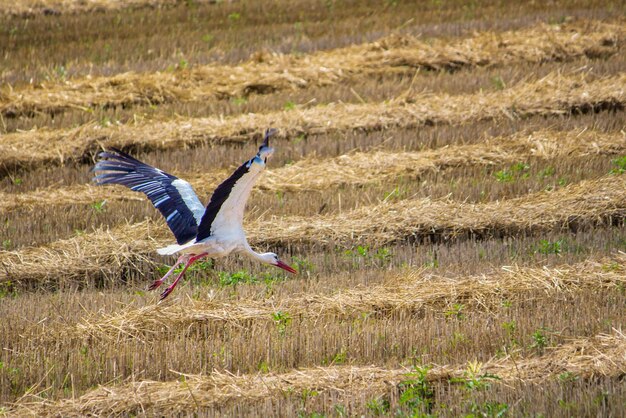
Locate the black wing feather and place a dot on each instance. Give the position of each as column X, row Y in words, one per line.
column 222, row 192
column 217, row 200
column 118, row 167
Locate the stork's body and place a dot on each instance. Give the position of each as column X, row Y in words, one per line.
column 216, row 231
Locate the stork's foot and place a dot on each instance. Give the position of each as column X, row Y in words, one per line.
column 166, row 292
column 188, row 262
column 155, row 284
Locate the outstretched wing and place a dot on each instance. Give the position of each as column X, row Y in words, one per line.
column 173, row 197
column 224, row 213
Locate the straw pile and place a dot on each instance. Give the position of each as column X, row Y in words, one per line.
column 268, row 73
column 104, row 253
column 109, row 252
column 25, row 8
column 84, row 194
column 403, row 291
column 361, row 168
column 587, row 202
column 552, row 95
column 601, row 355
column 357, row 168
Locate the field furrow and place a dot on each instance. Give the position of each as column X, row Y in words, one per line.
column 358, row 168
column 109, row 252
column 552, row 95
column 601, row 355
column 268, row 73
column 408, row 291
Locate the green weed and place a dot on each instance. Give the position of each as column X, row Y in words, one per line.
column 416, row 392
column 434, row 261
column 7, row 289
column 504, row 176
column 546, row 172
column 473, row 379
column 282, row 320
column 264, row 367
column 239, row 101
column 378, row 406
column 362, row 254
column 455, row 311
column 515, row 172
column 619, row 165
column 234, row 17
column 611, row 267
column 398, row 193
column 488, row 409
column 233, row 279
column 340, row 410
column 568, row 377
column 99, row 207
column 509, row 327
column 338, row 358
column 302, row 265
column 498, row 83
column 540, row 341
column 548, row 247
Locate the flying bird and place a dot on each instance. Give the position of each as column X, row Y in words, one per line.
column 214, row 231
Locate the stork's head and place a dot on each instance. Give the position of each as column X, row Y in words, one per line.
column 272, row 258
column 265, row 151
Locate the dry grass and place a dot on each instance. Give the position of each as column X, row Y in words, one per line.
column 552, row 95
column 25, row 8
column 129, row 245
column 378, row 166
column 268, row 73
column 109, row 253
column 358, row 168
column 601, row 355
column 422, row 282
column 408, row 291
column 588, row 202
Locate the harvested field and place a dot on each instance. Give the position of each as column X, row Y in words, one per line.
column 110, row 252
column 602, row 355
column 448, row 180
column 268, row 73
column 552, row 95
column 408, row 291
column 25, row 8
column 359, row 169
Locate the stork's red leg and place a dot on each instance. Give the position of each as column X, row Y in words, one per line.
column 159, row 282
column 171, row 287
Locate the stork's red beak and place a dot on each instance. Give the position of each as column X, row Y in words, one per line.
column 286, row 267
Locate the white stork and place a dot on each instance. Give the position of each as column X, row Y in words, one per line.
column 213, row 232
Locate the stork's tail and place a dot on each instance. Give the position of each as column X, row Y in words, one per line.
column 170, row 249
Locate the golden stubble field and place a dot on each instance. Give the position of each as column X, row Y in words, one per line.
column 449, row 181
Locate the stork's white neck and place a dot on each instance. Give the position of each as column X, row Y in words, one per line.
column 267, row 258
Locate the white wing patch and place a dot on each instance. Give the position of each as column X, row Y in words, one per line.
column 190, row 199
